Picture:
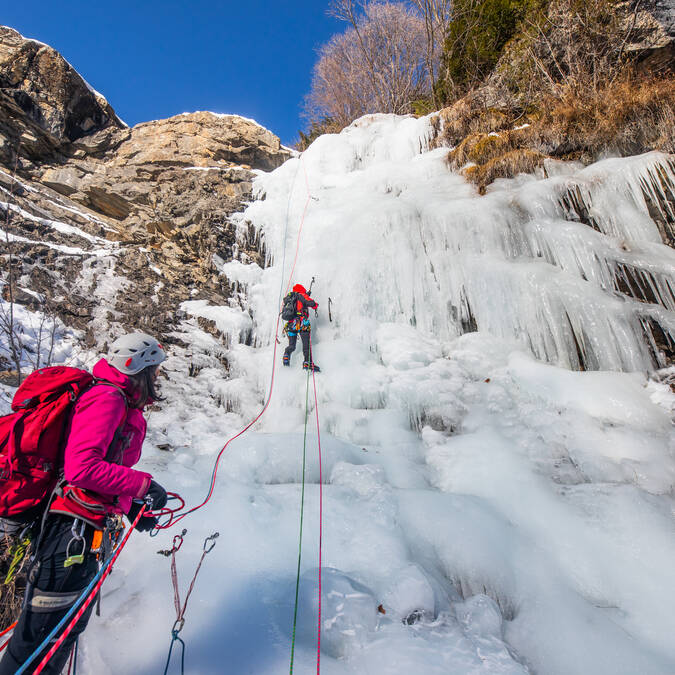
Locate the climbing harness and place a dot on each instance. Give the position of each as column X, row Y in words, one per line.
column 209, row 543
column 83, row 601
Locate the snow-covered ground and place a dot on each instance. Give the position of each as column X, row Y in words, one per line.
column 505, row 515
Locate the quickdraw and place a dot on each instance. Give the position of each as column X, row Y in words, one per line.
column 209, row 543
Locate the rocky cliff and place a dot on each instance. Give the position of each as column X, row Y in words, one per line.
column 102, row 222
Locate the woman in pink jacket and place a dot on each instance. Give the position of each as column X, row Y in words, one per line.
column 104, row 440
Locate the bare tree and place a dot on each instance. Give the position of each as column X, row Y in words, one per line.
column 580, row 47
column 436, row 14
column 8, row 325
column 31, row 340
column 377, row 65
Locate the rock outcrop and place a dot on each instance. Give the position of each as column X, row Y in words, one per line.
column 44, row 102
column 107, row 224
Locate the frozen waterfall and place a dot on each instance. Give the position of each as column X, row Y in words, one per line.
column 572, row 267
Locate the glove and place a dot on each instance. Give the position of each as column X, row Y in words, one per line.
column 158, row 495
column 145, row 523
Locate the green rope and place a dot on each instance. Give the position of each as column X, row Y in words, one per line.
column 302, row 515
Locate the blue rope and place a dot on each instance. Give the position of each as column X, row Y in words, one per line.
column 63, row 621
column 182, row 656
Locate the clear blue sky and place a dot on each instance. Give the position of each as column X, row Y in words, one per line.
column 155, row 59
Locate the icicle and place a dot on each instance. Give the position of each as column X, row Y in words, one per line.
column 567, row 265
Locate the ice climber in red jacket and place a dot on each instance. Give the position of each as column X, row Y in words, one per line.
column 300, row 324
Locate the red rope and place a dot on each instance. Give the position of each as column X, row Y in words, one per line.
column 89, row 598
column 302, row 222
column 175, row 519
column 70, row 662
column 318, row 433
column 180, row 611
column 4, row 632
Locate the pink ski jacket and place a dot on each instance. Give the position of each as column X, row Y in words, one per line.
column 104, row 441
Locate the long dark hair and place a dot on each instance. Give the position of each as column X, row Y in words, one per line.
column 145, row 386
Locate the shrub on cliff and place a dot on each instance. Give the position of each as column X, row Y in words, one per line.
column 476, row 37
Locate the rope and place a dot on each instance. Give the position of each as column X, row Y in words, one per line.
column 73, row 658
column 88, row 593
column 318, row 433
column 77, row 651
column 182, row 656
column 180, row 610
column 4, row 632
column 302, row 516
column 175, row 519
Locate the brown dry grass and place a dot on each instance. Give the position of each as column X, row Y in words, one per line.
column 627, row 117
column 469, row 117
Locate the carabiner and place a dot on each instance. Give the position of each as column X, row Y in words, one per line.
column 211, row 539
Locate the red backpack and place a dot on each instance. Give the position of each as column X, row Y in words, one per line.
column 33, row 436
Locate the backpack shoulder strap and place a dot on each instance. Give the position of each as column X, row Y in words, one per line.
column 118, row 431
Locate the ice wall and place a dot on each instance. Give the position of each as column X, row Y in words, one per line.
column 573, row 267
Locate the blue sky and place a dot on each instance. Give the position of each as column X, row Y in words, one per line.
column 155, row 59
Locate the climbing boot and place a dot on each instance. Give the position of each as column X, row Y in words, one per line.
column 311, row 366
column 286, row 360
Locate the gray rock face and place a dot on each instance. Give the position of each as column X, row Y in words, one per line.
column 49, row 91
column 110, row 224
column 664, row 12
column 653, row 34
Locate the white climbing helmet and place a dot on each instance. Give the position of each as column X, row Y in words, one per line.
column 135, row 351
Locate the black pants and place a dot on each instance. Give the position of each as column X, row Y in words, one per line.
column 292, row 342
column 56, row 588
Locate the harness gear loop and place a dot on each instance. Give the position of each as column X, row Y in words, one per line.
column 78, row 538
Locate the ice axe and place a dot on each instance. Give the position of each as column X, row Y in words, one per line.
column 309, row 292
